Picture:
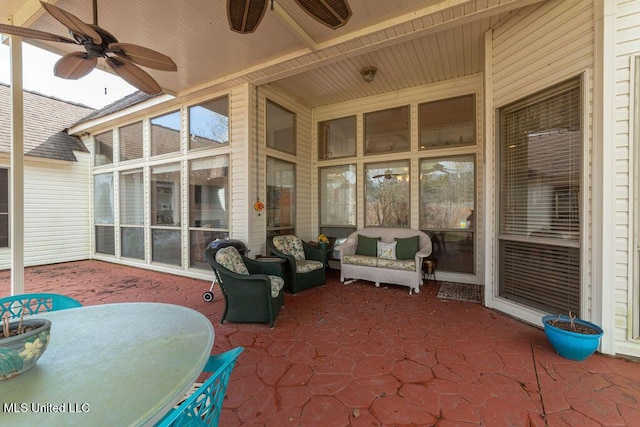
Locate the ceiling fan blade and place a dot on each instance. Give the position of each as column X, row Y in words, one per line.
column 72, row 22
column 245, row 15
column 33, row 34
column 332, row 13
column 143, row 56
column 134, row 75
column 74, row 65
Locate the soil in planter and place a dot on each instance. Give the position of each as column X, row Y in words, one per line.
column 14, row 331
column 577, row 327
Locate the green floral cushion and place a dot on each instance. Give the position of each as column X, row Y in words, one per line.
column 230, row 259
column 368, row 261
column 407, row 264
column 289, row 245
column 308, row 265
column 277, row 283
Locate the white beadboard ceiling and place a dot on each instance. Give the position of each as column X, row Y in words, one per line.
column 411, row 42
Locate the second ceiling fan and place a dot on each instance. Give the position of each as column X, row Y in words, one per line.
column 98, row 43
column 245, row 15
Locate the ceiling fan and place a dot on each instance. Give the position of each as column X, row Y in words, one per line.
column 388, row 174
column 245, row 15
column 98, row 43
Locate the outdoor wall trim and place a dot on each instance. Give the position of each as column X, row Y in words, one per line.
column 16, row 230
column 603, row 172
column 107, row 121
column 489, row 194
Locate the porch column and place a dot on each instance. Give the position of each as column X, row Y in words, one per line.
column 16, row 233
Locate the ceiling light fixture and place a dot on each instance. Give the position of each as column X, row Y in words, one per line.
column 369, row 73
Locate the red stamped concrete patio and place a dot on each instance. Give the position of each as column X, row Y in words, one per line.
column 356, row 355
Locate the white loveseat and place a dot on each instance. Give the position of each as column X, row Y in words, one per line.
column 407, row 272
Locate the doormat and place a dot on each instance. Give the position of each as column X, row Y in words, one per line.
column 460, row 292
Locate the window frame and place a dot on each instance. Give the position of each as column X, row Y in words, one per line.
column 405, row 133
column 348, row 167
column 193, row 137
column 398, row 165
column 270, row 134
column 530, row 255
column 152, row 147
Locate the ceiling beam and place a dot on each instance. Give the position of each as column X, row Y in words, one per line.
column 297, row 29
column 28, row 13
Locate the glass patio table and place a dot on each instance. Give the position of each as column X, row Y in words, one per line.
column 111, row 365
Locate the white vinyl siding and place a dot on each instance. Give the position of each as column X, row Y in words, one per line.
column 626, row 299
column 543, row 45
column 56, row 205
column 240, row 164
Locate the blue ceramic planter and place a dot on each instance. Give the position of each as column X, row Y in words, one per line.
column 20, row 352
column 572, row 345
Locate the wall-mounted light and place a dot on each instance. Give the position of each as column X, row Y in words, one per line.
column 369, row 73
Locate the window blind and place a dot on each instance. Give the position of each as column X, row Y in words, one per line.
column 540, row 192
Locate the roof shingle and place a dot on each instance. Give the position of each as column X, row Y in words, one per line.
column 46, row 120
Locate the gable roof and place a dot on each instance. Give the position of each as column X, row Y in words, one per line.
column 120, row 104
column 46, row 120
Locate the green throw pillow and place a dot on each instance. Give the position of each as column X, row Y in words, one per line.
column 367, row 245
column 407, row 248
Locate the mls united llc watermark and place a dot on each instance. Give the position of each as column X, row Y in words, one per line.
column 68, row 407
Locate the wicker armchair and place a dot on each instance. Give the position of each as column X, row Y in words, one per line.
column 305, row 264
column 252, row 290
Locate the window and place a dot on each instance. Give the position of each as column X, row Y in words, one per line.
column 337, row 138
column 209, row 123
column 447, row 123
column 132, row 214
column 387, row 194
column 281, row 195
column 387, row 131
column 281, row 128
column 103, row 213
column 4, row 208
column 103, row 147
column 165, row 134
column 208, row 205
column 539, row 224
column 130, row 140
column 165, row 214
column 338, row 196
column 447, row 204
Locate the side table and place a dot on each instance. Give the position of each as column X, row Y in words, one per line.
column 429, row 269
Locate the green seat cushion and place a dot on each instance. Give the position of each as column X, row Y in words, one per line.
column 407, row 247
column 367, row 246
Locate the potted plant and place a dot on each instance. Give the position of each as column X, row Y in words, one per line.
column 22, row 342
column 572, row 338
column 323, row 242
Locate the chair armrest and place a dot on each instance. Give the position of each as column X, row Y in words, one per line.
column 243, row 277
column 346, row 249
column 262, row 267
column 313, row 252
column 245, row 284
column 423, row 253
